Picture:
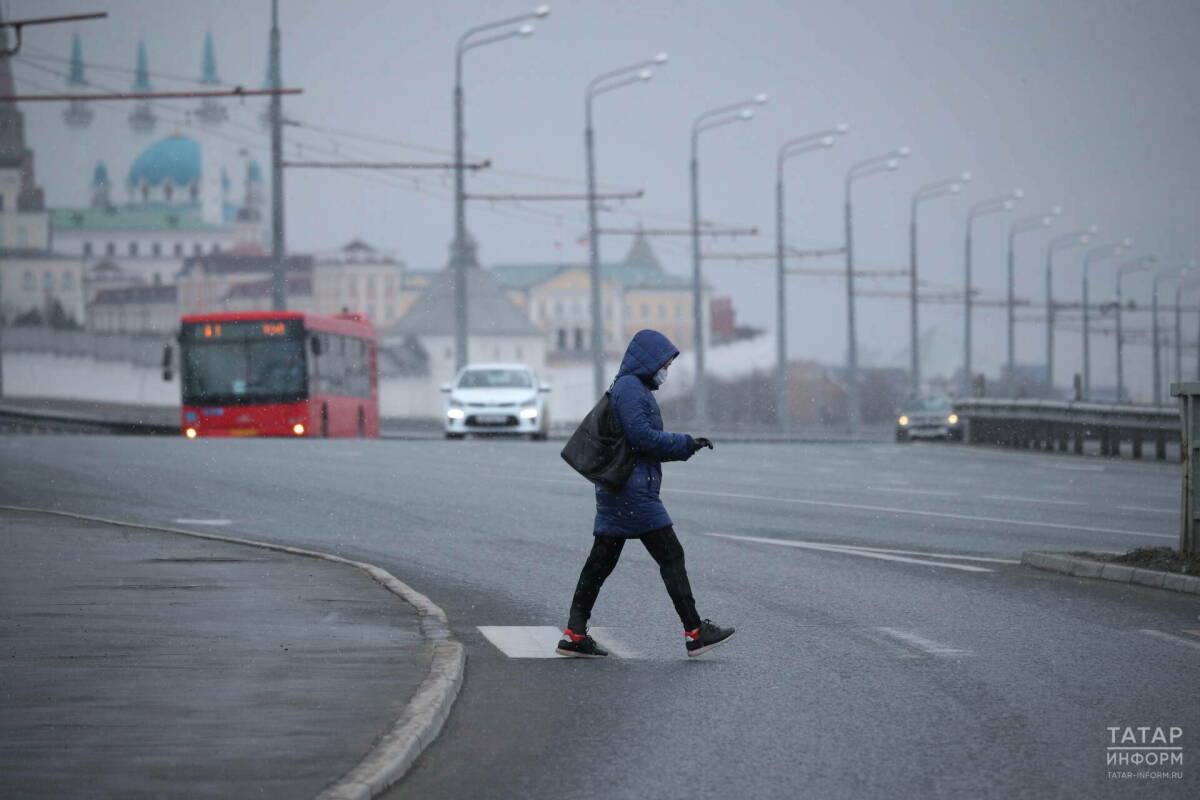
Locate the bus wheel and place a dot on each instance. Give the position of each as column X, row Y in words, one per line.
column 362, row 423
column 324, row 421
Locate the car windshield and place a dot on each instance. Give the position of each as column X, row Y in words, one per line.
column 495, row 379
column 931, row 404
column 243, row 372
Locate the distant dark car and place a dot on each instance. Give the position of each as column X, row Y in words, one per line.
column 928, row 418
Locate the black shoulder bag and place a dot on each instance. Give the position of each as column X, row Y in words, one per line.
column 598, row 449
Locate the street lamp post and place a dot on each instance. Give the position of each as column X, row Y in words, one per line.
column 1064, row 242
column 995, row 205
column 462, row 251
column 1123, row 270
column 1169, row 272
column 601, row 84
column 714, row 118
column 1033, row 223
column 1183, row 284
column 278, row 246
column 1089, row 258
column 792, row 147
column 888, row 162
column 926, row 192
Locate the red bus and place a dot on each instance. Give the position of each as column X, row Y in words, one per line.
column 277, row 373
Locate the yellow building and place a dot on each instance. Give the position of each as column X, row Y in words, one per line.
column 635, row 293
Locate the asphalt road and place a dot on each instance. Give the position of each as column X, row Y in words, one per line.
column 854, row 673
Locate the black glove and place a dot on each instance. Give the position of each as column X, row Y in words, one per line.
column 699, row 442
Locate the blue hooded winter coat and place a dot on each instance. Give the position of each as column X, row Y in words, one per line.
column 637, row 509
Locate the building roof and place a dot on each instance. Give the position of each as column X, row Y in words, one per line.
column 297, row 286
column 154, row 217
column 626, row 275
column 640, row 269
column 129, row 295
column 489, row 311
column 241, row 263
column 175, row 159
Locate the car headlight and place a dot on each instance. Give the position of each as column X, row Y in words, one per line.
column 952, row 419
column 455, row 413
column 529, row 409
column 903, row 420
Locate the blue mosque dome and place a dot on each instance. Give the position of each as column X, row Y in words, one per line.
column 175, row 159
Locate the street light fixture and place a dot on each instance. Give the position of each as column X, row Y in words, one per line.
column 1169, row 272
column 888, row 162
column 1136, row 265
column 462, row 251
column 714, row 118
column 1033, row 223
column 605, row 82
column 1090, row 257
column 927, row 192
column 995, row 205
column 1063, row 242
column 793, row 147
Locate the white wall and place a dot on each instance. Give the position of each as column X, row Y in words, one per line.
column 85, row 378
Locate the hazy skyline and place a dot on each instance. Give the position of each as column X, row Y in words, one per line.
column 1086, row 104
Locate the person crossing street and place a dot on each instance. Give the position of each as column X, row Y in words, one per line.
column 636, row 511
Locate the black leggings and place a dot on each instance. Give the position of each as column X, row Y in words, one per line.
column 664, row 548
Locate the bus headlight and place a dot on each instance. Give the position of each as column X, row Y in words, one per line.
column 952, row 419
column 903, row 420
column 298, row 429
column 190, row 433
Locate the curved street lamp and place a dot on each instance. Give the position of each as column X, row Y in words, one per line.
column 995, row 205
column 821, row 140
column 462, row 252
column 1063, row 242
column 1135, row 265
column 929, row 191
column 1089, row 258
column 606, row 82
column 888, row 162
column 714, row 118
column 1033, row 223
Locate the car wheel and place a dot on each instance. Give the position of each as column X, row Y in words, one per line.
column 453, row 435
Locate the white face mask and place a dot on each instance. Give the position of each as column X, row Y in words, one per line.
column 660, row 377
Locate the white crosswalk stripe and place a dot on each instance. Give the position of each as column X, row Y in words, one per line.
column 539, row 641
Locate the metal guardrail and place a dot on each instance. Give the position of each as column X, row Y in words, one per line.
column 1063, row 426
column 1188, row 393
column 24, row 420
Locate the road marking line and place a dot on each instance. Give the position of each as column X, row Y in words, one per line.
column 852, row 551
column 921, row 643
column 898, row 490
column 884, row 509
column 928, row 555
column 539, row 641
column 203, row 522
column 1169, row 638
column 1012, row 499
column 1149, row 510
column 1079, row 467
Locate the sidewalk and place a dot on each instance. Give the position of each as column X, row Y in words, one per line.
column 141, row 664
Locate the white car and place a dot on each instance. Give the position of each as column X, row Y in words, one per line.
column 496, row 399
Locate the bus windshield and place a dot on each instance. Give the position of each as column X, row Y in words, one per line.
column 239, row 371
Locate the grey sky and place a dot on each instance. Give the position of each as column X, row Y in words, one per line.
column 1087, row 104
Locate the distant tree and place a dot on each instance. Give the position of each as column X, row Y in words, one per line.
column 29, row 319
column 58, row 318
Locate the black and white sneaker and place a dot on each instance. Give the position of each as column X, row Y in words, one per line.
column 572, row 645
column 706, row 637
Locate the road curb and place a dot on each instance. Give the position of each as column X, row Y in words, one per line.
column 422, row 719
column 1079, row 567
